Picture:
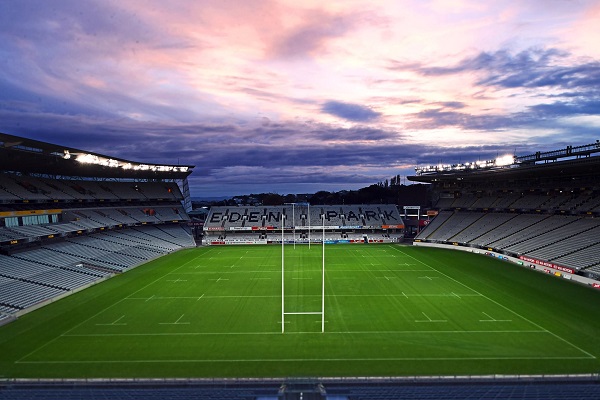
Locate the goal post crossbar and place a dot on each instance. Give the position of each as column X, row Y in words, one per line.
column 304, row 313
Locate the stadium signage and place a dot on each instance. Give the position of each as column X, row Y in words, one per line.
column 275, row 216
column 547, row 264
column 596, row 285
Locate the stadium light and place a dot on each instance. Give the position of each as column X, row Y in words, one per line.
column 505, row 160
column 480, row 164
column 86, row 158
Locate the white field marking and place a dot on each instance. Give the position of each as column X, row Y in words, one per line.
column 104, row 309
column 402, row 294
column 501, row 305
column 430, row 320
column 429, row 277
column 491, row 319
column 302, row 278
column 422, row 332
column 386, row 277
column 304, row 313
column 295, row 360
column 116, row 323
column 238, row 272
column 201, row 297
column 260, row 278
column 455, row 295
column 150, row 298
column 177, row 280
column 176, row 322
column 219, row 280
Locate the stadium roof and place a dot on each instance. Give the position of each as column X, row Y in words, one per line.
column 18, row 154
column 576, row 162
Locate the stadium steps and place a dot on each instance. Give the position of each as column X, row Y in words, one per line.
column 517, row 229
column 132, row 241
column 541, row 239
column 158, row 237
column 40, row 282
column 141, row 241
column 575, row 251
column 569, row 243
column 491, row 228
column 86, row 259
column 468, row 226
column 67, row 268
column 128, row 245
column 99, row 248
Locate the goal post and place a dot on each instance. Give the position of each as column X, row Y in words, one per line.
column 283, row 312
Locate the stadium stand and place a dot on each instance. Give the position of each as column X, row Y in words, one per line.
column 244, row 224
column 544, row 206
column 65, row 225
column 534, row 388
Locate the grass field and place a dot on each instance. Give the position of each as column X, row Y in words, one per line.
column 390, row 310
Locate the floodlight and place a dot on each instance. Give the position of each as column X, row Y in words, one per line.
column 505, row 160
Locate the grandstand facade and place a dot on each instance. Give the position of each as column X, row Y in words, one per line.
column 304, row 223
column 70, row 218
column 542, row 209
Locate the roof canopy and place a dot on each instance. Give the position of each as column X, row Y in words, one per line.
column 18, row 154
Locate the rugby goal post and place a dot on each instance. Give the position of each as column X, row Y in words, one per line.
column 283, row 312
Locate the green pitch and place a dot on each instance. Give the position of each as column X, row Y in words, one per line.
column 390, row 310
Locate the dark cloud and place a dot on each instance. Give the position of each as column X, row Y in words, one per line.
column 562, row 108
column 451, row 104
column 531, row 68
column 350, row 112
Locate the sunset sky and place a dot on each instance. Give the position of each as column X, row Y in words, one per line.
column 300, row 96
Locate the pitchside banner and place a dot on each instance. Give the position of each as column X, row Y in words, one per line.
column 547, row 264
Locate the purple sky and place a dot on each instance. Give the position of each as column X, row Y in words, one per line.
column 300, row 96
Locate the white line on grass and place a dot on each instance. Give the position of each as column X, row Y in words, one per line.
column 115, row 322
column 421, row 332
column 261, row 360
column 500, row 305
column 401, row 294
column 429, row 319
column 219, row 280
column 491, row 319
column 176, row 322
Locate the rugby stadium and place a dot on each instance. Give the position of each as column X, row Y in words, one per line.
column 105, row 292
